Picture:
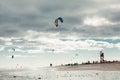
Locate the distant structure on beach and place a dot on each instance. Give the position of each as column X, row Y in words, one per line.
column 101, row 57
column 50, row 65
column 102, row 61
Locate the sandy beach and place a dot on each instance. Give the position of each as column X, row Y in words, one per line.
column 99, row 66
column 81, row 72
column 24, row 74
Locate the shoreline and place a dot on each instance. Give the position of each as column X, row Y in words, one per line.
column 99, row 67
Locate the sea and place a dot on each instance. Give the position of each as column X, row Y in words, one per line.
column 53, row 74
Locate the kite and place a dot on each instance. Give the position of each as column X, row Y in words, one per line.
column 58, row 19
column 12, row 56
column 13, row 50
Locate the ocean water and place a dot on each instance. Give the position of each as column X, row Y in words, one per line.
column 50, row 74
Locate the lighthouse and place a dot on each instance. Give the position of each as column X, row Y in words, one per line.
column 101, row 57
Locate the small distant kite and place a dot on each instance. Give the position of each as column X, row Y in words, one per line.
column 53, row 50
column 58, row 19
column 13, row 50
column 76, row 54
column 12, row 56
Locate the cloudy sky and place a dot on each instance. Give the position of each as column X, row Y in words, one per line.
column 28, row 26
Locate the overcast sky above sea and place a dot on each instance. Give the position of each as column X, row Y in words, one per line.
column 28, row 26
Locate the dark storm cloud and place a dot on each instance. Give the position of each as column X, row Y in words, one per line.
column 6, row 18
column 62, row 7
column 16, row 17
column 110, row 13
column 73, row 20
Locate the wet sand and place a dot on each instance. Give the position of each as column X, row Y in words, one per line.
column 8, row 74
column 23, row 74
column 80, row 72
column 99, row 66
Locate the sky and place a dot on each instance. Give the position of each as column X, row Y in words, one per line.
column 28, row 26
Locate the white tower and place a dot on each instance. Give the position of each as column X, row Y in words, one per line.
column 101, row 57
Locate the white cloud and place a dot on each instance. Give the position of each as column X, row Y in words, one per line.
column 2, row 48
column 19, row 50
column 96, row 21
column 21, row 56
column 34, row 51
column 8, row 43
column 5, row 39
column 53, row 41
column 117, row 45
column 40, row 42
column 115, row 6
column 31, row 35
